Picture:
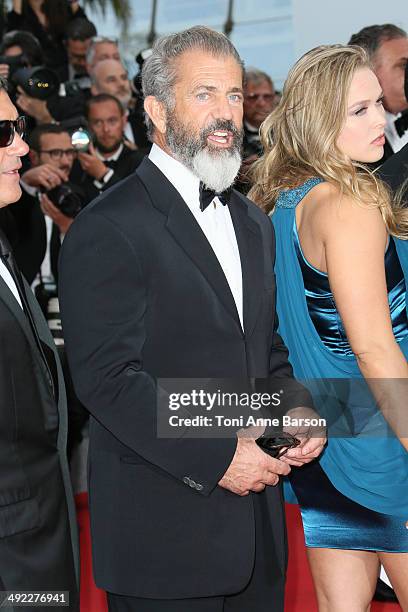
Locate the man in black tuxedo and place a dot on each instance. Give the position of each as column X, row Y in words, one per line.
column 40, row 225
column 109, row 159
column 110, row 76
column 38, row 547
column 395, row 172
column 159, row 281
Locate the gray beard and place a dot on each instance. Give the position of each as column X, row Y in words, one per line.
column 216, row 168
column 218, row 171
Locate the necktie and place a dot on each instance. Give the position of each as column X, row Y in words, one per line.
column 111, row 163
column 7, row 258
column 207, row 196
column 401, row 124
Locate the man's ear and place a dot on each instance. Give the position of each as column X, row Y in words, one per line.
column 157, row 113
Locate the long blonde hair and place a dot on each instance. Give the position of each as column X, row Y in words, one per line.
column 299, row 136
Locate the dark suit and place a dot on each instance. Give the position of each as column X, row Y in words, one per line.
column 395, row 170
column 143, row 296
column 24, row 224
column 126, row 163
column 38, row 539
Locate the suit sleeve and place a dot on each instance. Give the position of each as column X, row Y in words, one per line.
column 104, row 304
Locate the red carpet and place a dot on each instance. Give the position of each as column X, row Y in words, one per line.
column 300, row 595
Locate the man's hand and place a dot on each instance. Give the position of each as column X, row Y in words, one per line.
column 33, row 107
column 45, row 176
column 251, row 469
column 62, row 221
column 312, row 439
column 91, row 164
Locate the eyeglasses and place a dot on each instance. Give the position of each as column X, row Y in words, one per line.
column 254, row 97
column 9, row 128
column 56, row 154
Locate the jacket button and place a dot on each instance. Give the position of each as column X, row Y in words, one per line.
column 199, row 487
column 192, row 484
column 186, row 480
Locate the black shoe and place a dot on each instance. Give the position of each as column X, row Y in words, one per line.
column 384, row 593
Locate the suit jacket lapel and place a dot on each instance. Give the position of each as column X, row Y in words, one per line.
column 250, row 249
column 9, row 300
column 186, row 231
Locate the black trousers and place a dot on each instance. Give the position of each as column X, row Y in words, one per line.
column 263, row 593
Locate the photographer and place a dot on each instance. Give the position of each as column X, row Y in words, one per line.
column 52, row 157
column 19, row 49
column 79, row 34
column 108, row 160
column 47, row 20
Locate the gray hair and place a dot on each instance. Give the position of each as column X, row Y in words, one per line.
column 371, row 37
column 159, row 73
column 97, row 40
column 93, row 71
column 256, row 76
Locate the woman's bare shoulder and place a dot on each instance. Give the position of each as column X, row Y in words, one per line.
column 334, row 209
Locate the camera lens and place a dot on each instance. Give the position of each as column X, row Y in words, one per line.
column 38, row 82
column 66, row 199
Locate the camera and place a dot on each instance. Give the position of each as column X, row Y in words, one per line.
column 38, row 82
column 14, row 62
column 66, row 198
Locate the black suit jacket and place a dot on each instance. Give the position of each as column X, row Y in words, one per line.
column 24, row 225
column 38, row 539
column 143, row 296
column 395, row 170
column 126, row 163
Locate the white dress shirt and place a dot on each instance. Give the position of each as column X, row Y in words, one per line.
column 46, row 276
column 215, row 221
column 114, row 157
column 395, row 141
column 8, row 279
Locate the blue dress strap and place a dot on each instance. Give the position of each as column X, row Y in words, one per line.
column 290, row 198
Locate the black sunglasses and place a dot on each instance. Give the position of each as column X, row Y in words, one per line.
column 9, row 128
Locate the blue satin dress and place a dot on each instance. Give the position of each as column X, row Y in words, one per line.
column 356, row 495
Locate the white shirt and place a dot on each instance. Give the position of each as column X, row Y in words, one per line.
column 107, row 177
column 46, row 274
column 215, row 221
column 8, row 279
column 128, row 132
column 395, row 141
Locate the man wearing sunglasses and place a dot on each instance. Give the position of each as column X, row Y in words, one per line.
column 38, row 549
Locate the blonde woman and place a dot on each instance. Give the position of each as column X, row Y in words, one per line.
column 340, row 262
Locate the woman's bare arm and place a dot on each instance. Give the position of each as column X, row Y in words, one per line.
column 354, row 240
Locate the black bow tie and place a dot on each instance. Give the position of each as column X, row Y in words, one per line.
column 401, row 124
column 111, row 163
column 207, row 196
